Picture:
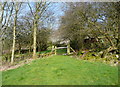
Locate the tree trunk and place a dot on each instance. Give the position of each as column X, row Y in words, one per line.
column 0, row 52
column 2, row 11
column 34, row 41
column 35, row 30
column 19, row 48
column 14, row 31
column 29, row 49
column 1, row 19
column 13, row 48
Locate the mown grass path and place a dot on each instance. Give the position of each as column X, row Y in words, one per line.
column 61, row 70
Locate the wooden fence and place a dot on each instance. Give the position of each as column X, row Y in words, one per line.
column 54, row 51
column 45, row 54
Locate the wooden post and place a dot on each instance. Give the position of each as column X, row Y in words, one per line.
column 68, row 48
column 55, row 50
column 52, row 48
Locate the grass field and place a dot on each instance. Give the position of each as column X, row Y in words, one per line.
column 61, row 70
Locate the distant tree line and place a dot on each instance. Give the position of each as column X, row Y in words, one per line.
column 23, row 28
column 87, row 25
column 92, row 25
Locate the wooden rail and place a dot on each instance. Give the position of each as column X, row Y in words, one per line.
column 54, row 51
column 46, row 54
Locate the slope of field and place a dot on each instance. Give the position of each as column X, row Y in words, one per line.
column 61, row 70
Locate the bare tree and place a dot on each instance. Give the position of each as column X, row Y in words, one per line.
column 2, row 6
column 40, row 9
column 6, row 10
column 17, row 8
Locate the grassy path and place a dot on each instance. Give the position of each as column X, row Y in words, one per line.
column 61, row 70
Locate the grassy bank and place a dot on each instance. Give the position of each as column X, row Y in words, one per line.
column 61, row 70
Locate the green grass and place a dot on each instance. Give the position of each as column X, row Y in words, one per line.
column 61, row 51
column 42, row 52
column 61, row 70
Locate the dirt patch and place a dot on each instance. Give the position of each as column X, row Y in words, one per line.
column 9, row 66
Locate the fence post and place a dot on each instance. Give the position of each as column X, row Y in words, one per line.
column 55, row 50
column 68, row 48
column 52, row 48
